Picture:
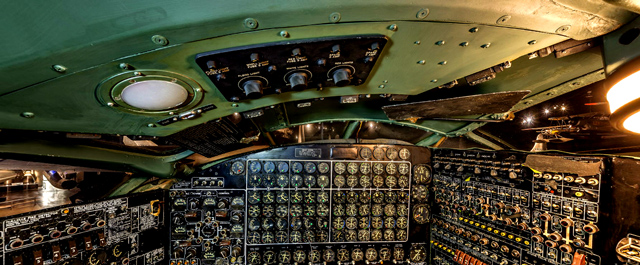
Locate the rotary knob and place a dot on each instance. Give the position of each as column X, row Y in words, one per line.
column 252, row 88
column 298, row 80
column 342, row 76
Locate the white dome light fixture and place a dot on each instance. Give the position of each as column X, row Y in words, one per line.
column 624, row 97
column 154, row 95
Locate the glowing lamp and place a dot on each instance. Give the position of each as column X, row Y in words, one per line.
column 624, row 97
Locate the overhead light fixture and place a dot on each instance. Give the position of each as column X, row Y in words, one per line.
column 624, row 97
column 154, row 95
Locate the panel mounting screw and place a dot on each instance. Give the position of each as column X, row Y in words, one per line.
column 59, row 68
column 503, row 19
column 125, row 66
column 235, row 105
column 440, row 42
column 27, row 114
column 334, row 17
column 417, row 42
column 474, row 30
column 110, row 104
column 422, row 62
column 423, row 13
column 381, row 86
column 442, row 63
column 284, row 34
column 160, row 40
column 393, row 27
column 464, row 44
column 251, row 23
column 137, row 73
column 563, row 29
column 151, row 125
column 434, row 80
column 532, row 42
column 486, row 45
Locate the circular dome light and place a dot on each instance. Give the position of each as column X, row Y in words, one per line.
column 624, row 97
column 154, row 95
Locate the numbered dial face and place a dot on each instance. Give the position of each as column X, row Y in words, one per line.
column 282, row 210
column 310, row 167
column 296, row 197
column 282, row 197
column 254, row 210
column 363, row 235
column 421, row 174
column 269, row 257
column 403, row 181
column 389, row 235
column 404, row 154
column 269, row 181
column 389, row 222
column 343, row 255
column 376, row 222
column 323, row 197
column 365, row 168
column 403, row 168
column 352, row 168
column 357, row 254
column 237, row 168
column 390, row 210
column 402, row 210
column 351, row 236
column 295, row 237
column 253, row 197
column 376, row 235
column 378, row 153
column 378, row 181
column 351, row 210
column 310, row 181
column 385, row 254
column 299, row 256
column 351, row 223
column 365, row 181
column 391, row 181
column 339, row 181
column 268, row 210
column 296, row 181
column 392, row 153
column 391, row 168
column 296, row 210
column 255, row 181
column 378, row 197
column 364, row 210
column 419, row 193
column 363, row 223
column 269, row 167
column 401, row 235
column 322, row 210
column 339, row 168
column 376, row 210
column 365, row 153
column 284, row 256
column 323, row 181
column 254, row 257
column 255, row 167
column 268, row 224
column 268, row 197
column 338, row 210
column 314, row 256
column 253, row 237
column 418, row 253
column 282, row 181
column 268, row 237
column 297, row 167
column 378, row 168
column 352, row 181
column 328, row 255
column 338, row 223
column 254, row 224
column 371, row 254
column 421, row 214
column 283, row 167
column 281, row 224
column 398, row 254
column 323, row 168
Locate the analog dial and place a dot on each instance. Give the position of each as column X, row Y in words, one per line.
column 267, row 237
column 255, row 167
column 365, row 153
column 389, row 222
column 339, row 181
column 254, row 210
column 418, row 253
column 281, row 224
column 404, row 154
column 309, row 210
column 376, row 210
column 385, row 254
column 322, row 210
column 323, row 168
column 297, row 167
column 365, row 197
column 296, row 181
column 283, row 167
column 338, row 210
column 352, row 168
column 389, row 235
column 254, row 257
column 419, row 193
column 284, row 256
column 392, row 153
column 323, row 181
column 357, row 254
column 339, row 168
column 253, row 197
column 282, row 210
column 282, row 197
column 363, row 235
column 253, row 224
column 322, row 236
column 237, row 168
column 308, row 236
column 403, row 168
column 365, row 168
column 268, row 197
column 314, row 256
column 421, row 214
column 371, row 254
column 255, row 181
column 310, row 181
column 378, row 181
column 351, row 223
column 269, row 257
column 378, row 168
column 352, row 197
column 310, row 167
column 352, row 181
column 253, row 237
column 402, row 222
column 351, row 236
column 328, row 255
column 308, row 222
column 378, row 197
column 269, row 167
column 365, row 181
column 299, row 256
column 309, row 197
column 391, row 168
column 376, row 222
column 296, row 210
column 398, row 254
column 364, row 210
column 421, row 174
column 296, row 223
column 338, row 223
column 376, row 235
column 269, row 181
column 363, row 223
column 339, row 197
column 402, row 210
column 282, row 181
column 296, row 197
column 268, row 210
column 378, row 153
column 268, row 224
column 403, row 196
column 403, row 181
column 323, row 197
column 391, row 181
column 351, row 210
column 295, row 237
column 401, row 235
column 390, row 197
column 343, row 255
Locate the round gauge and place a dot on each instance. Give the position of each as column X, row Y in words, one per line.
column 421, row 214
column 418, row 253
column 237, row 168
column 308, row 237
column 295, row 237
column 299, row 256
column 255, row 167
column 268, row 224
column 309, row 210
column 339, row 197
column 378, row 153
column 253, row 197
column 389, row 235
column 253, row 224
column 323, row 168
column 385, row 254
column 351, row 223
column 364, row 210
column 392, row 153
column 389, row 222
column 390, row 210
column 363, row 223
column 365, row 168
column 391, row 168
column 343, row 255
column 269, row 167
column 297, row 167
column 268, row 210
column 255, row 181
column 269, row 181
column 365, row 197
column 402, row 210
column 350, row 236
column 284, row 256
column 352, row 181
column 352, row 197
column 296, row 197
column 365, row 153
column 268, row 197
column 338, row 210
column 269, row 257
column 390, row 197
column 338, row 223
column 391, row 181
column 378, row 168
column 371, row 254
column 253, row 237
column 322, row 197
column 282, row 197
column 357, row 254
column 323, row 181
column 322, row 210
column 322, row 236
column 283, row 167
column 421, row 174
column 402, row 222
column 282, row 181
column 267, row 237
column 403, row 181
column 309, row 197
column 376, row 210
column 376, row 235
column 404, row 154
column 339, row 168
column 254, row 210
column 328, row 255
column 378, row 197
column 254, row 257
column 296, row 223
column 419, row 193
column 376, row 222
column 352, row 168
column 365, row 181
column 351, row 210
column 322, row 223
column 339, row 181
column 310, row 167
column 296, row 181
column 295, row 210
column 363, row 235
column 403, row 196
column 403, row 168
column 378, row 181
column 282, row 224
column 282, row 210
column 401, row 235
column 398, row 254
column 314, row 256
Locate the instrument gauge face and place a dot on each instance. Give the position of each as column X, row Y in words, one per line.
column 283, row 181
column 357, row 254
column 365, row 168
column 314, row 256
column 421, row 174
column 403, row 181
column 269, row 167
column 378, row 153
column 323, row 168
column 254, row 257
column 365, row 153
column 255, row 167
column 339, row 181
column 391, row 181
column 310, row 181
column 323, row 181
column 352, row 181
column 237, row 168
column 297, row 167
column 283, row 167
column 378, row 181
column 299, row 256
column 404, row 154
column 391, row 168
column 352, row 168
column 284, row 256
column 269, row 181
column 296, row 181
column 376, row 235
column 378, row 168
column 418, row 253
column 310, row 167
column 421, row 214
column 371, row 254
column 255, row 181
column 392, row 153
column 340, row 168
column 403, row 168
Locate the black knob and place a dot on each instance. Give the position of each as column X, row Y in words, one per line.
column 252, row 88
column 342, row 76
column 298, row 80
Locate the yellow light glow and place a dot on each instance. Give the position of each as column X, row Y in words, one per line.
column 624, row 92
column 632, row 123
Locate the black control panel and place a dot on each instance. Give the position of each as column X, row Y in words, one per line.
column 252, row 71
column 126, row 230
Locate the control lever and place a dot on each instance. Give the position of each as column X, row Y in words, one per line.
column 579, row 259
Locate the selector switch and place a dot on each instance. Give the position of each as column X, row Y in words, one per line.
column 298, row 80
column 342, row 76
column 252, row 88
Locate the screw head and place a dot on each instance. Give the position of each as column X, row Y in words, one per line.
column 27, row 115
column 160, row 40
column 151, row 125
column 125, row 66
column 381, row 86
column 442, row 63
column 423, row 13
column 334, row 17
column 422, row 62
column 440, row 42
column 251, row 23
column 503, row 19
column 532, row 42
column 417, row 42
column 59, row 68
column 486, row 45
column 235, row 105
column 464, row 44
column 434, row 80
column 393, row 27
column 474, row 30
column 110, row 104
column 563, row 29
column 284, row 34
